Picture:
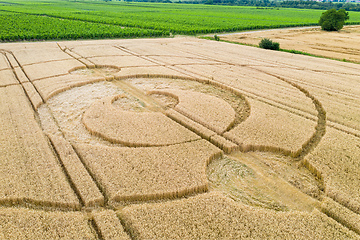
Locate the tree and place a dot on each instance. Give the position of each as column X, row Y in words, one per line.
column 269, row 44
column 333, row 20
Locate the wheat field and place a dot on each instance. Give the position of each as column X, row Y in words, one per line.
column 177, row 138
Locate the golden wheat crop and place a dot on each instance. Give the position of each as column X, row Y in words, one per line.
column 184, row 60
column 338, row 94
column 33, row 95
column 24, row 224
column 336, row 158
column 213, row 216
column 54, row 85
column 341, row 214
column 211, row 112
column 51, row 69
column 226, row 145
column 84, row 184
column 121, row 61
column 132, row 128
column 4, row 64
column 20, row 75
column 109, row 225
column 190, row 124
column 98, row 51
column 272, row 129
column 252, row 81
column 7, row 78
column 30, row 173
column 46, row 53
column 118, row 159
column 131, row 174
column 141, row 72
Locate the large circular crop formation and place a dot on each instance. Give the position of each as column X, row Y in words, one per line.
column 163, row 139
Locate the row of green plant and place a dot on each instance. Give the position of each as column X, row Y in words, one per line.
column 176, row 18
column 18, row 27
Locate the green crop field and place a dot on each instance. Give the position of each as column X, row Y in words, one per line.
column 62, row 19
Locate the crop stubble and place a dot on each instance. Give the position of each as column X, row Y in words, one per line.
column 272, row 102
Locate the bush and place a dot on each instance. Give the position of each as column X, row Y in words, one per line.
column 216, row 37
column 333, row 20
column 268, row 44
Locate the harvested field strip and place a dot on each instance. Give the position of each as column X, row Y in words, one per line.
column 281, row 62
column 171, row 220
column 338, row 45
column 24, row 224
column 109, row 225
column 25, row 153
column 139, row 174
column 255, row 56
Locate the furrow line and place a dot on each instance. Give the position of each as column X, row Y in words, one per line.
column 321, row 122
column 79, row 58
column 33, row 104
column 67, row 175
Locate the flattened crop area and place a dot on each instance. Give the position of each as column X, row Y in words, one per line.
column 177, row 138
column 342, row 45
